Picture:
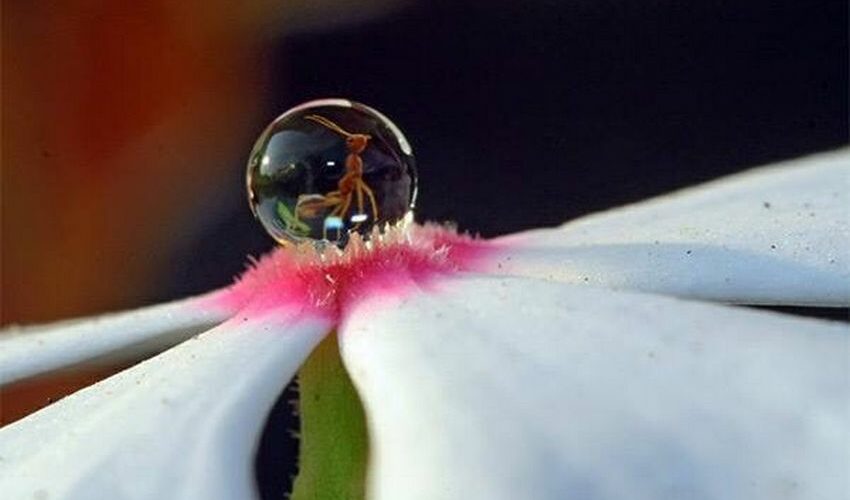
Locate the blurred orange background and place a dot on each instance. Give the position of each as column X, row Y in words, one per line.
column 121, row 122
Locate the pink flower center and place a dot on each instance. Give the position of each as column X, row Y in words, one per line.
column 330, row 285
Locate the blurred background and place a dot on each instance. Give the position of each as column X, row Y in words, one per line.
column 126, row 125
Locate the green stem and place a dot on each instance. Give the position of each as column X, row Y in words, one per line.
column 334, row 444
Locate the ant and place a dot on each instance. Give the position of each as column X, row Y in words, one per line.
column 350, row 183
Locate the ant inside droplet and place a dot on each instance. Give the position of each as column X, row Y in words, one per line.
column 327, row 168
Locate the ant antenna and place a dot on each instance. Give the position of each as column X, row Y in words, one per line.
column 333, row 126
column 329, row 124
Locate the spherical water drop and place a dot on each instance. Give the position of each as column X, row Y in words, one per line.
column 329, row 167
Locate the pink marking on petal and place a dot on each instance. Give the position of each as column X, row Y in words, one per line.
column 330, row 284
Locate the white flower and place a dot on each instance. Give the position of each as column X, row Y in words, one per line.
column 558, row 363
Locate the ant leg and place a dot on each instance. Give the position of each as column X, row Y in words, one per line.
column 338, row 211
column 311, row 206
column 359, row 206
column 371, row 196
column 334, row 199
column 345, row 206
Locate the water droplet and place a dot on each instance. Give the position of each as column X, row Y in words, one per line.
column 327, row 168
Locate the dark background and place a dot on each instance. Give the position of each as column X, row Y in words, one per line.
column 529, row 114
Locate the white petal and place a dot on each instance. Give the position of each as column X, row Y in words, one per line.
column 181, row 425
column 506, row 388
column 27, row 351
column 778, row 235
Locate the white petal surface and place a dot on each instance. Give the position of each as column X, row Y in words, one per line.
column 181, row 425
column 778, row 235
column 506, row 388
column 28, row 351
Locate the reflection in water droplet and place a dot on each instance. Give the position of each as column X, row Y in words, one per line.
column 329, row 167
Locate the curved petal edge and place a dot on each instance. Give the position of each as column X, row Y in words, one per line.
column 775, row 235
column 182, row 425
column 505, row 388
column 31, row 350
